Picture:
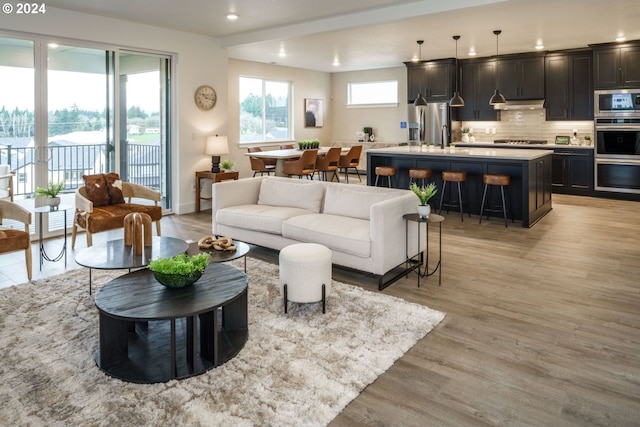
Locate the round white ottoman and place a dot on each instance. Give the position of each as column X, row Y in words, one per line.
column 305, row 273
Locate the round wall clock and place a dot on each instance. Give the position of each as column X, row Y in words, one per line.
column 205, row 97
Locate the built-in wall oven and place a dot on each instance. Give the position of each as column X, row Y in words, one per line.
column 617, row 140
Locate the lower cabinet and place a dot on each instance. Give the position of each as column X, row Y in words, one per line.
column 572, row 171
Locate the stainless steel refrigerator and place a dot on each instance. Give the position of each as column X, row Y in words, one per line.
column 430, row 124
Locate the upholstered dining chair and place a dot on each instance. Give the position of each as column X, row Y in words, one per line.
column 12, row 239
column 287, row 147
column 261, row 166
column 304, row 166
column 351, row 160
column 329, row 163
column 6, row 183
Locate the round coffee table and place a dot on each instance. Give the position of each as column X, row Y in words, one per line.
column 149, row 333
column 114, row 255
column 242, row 249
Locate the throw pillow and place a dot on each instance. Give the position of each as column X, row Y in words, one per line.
column 114, row 188
column 97, row 192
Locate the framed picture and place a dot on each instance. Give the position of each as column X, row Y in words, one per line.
column 313, row 113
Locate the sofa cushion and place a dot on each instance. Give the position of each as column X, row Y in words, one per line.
column 340, row 233
column 291, row 193
column 112, row 216
column 114, row 188
column 263, row 218
column 343, row 200
column 97, row 192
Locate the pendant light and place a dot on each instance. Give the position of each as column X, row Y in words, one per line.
column 420, row 101
column 497, row 97
column 457, row 100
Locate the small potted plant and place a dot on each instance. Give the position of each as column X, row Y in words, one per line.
column 51, row 192
column 424, row 195
column 228, row 165
column 179, row 271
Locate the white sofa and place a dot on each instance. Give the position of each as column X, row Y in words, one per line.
column 363, row 226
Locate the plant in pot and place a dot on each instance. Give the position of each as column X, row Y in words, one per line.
column 465, row 134
column 51, row 192
column 179, row 271
column 228, row 165
column 424, row 195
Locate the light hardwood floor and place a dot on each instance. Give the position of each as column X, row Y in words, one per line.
column 542, row 325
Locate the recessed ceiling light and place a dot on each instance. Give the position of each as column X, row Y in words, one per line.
column 232, row 16
column 620, row 38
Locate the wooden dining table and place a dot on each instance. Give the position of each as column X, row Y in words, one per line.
column 283, row 155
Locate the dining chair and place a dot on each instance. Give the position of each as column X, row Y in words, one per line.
column 329, row 163
column 351, row 160
column 6, row 183
column 305, row 165
column 261, row 165
column 287, row 147
column 11, row 239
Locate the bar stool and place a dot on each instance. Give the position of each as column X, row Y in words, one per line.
column 493, row 180
column 452, row 176
column 416, row 174
column 383, row 171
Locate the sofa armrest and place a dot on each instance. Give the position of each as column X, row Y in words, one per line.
column 138, row 191
column 82, row 202
column 388, row 232
column 233, row 193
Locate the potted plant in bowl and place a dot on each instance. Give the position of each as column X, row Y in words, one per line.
column 180, row 270
column 228, row 165
column 51, row 192
column 424, row 195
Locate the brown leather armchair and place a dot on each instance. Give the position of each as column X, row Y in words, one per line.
column 305, row 165
column 12, row 240
column 101, row 205
column 329, row 163
column 351, row 160
column 261, row 165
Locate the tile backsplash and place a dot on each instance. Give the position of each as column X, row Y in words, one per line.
column 524, row 124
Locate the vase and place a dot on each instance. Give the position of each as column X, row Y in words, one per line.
column 424, row 211
column 465, row 137
column 53, row 203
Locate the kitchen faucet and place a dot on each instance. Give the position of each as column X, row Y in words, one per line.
column 445, row 131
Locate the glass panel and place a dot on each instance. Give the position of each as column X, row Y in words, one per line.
column 251, row 109
column 265, row 110
column 277, row 111
column 144, row 131
column 373, row 93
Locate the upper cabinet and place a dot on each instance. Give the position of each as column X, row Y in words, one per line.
column 569, row 86
column 433, row 79
column 521, row 77
column 477, row 81
column 616, row 67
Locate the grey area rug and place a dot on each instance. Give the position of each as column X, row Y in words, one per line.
column 298, row 369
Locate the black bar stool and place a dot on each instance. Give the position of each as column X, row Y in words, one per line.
column 383, row 171
column 416, row 174
column 457, row 177
column 503, row 181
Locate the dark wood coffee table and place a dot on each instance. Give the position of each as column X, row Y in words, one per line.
column 113, row 255
column 149, row 333
column 242, row 249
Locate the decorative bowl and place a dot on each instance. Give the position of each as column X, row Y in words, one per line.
column 176, row 280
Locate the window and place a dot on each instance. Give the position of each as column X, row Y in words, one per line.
column 372, row 93
column 265, row 110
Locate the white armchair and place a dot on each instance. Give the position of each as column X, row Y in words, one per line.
column 6, row 183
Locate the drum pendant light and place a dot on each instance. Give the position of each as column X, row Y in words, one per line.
column 457, row 100
column 420, row 101
column 497, row 97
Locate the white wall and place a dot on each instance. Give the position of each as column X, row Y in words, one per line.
column 384, row 120
column 199, row 61
column 306, row 84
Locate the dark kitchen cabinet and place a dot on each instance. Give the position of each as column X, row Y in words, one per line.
column 522, row 77
column 477, row 83
column 569, row 86
column 616, row 67
column 543, row 171
column 572, row 171
column 433, row 79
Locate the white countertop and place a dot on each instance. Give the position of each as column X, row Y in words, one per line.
column 537, row 146
column 500, row 153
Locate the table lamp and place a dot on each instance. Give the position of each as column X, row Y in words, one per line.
column 216, row 146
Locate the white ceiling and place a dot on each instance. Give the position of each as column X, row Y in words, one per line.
column 369, row 34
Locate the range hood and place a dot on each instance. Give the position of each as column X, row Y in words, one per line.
column 533, row 104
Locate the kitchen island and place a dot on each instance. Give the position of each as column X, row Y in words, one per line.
column 529, row 169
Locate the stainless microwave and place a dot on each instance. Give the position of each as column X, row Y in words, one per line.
column 617, row 103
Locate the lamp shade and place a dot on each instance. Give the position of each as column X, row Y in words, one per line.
column 497, row 98
column 216, row 145
column 420, row 101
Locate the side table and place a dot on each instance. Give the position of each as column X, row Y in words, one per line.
column 214, row 177
column 43, row 254
column 432, row 219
